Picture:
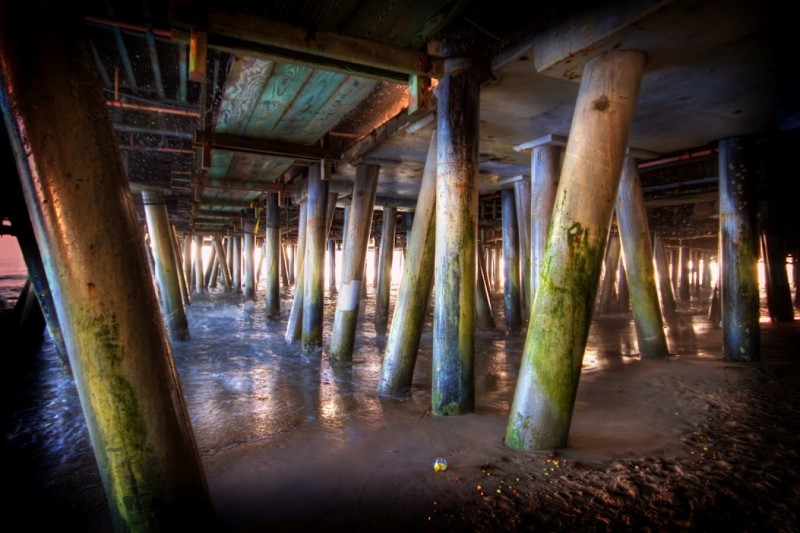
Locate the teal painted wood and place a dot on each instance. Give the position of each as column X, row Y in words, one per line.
column 281, row 89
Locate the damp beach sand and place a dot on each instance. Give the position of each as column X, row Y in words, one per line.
column 291, row 443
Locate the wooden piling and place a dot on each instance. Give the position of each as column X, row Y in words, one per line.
column 547, row 383
column 313, row 288
column 272, row 249
column 511, row 270
column 388, row 228
column 545, row 169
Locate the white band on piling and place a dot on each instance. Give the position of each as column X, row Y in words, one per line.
column 349, row 295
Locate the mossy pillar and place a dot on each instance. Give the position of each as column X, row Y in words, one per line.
column 388, row 228
column 74, row 183
column 313, row 286
column 458, row 109
column 662, row 273
column 545, row 168
column 155, row 211
column 413, row 295
column 547, row 383
column 739, row 294
column 356, row 239
column 331, row 265
column 511, row 275
column 294, row 327
column 272, row 256
column 249, row 253
column 637, row 256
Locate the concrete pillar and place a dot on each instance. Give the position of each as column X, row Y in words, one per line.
column 545, row 169
column 413, row 296
column 313, row 288
column 637, row 256
column 522, row 197
column 356, row 236
column 272, row 249
column 385, row 266
column 453, row 380
column 294, row 327
column 739, row 295
column 249, row 254
column 547, row 383
column 86, row 225
column 664, row 283
column 166, row 270
column 511, row 289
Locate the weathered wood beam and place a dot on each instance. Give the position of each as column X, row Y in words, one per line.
column 249, row 34
column 257, row 145
column 241, row 185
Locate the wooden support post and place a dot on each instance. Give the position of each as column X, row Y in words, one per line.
column 331, row 265
column 237, row 263
column 547, row 384
column 522, row 197
column 272, row 248
column 385, row 266
column 210, row 268
column 413, row 296
column 684, row 285
column 187, row 261
column 674, row 271
column 214, row 274
column 176, row 250
column 260, row 263
column 249, row 255
column 197, row 269
column 284, row 262
column 483, row 303
column 74, row 183
column 511, row 290
column 453, row 380
column 313, row 288
column 664, row 283
column 229, row 256
column 294, row 328
column 222, row 260
column 637, row 257
column 545, row 169
column 739, row 294
column 166, row 271
column 356, row 236
column 609, row 279
column 779, row 296
column 623, row 297
column 288, row 253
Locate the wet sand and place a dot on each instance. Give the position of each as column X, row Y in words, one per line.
column 682, row 444
column 685, row 443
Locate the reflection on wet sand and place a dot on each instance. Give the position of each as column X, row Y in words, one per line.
column 244, row 385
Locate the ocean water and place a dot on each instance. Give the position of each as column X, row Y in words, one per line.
column 13, row 272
